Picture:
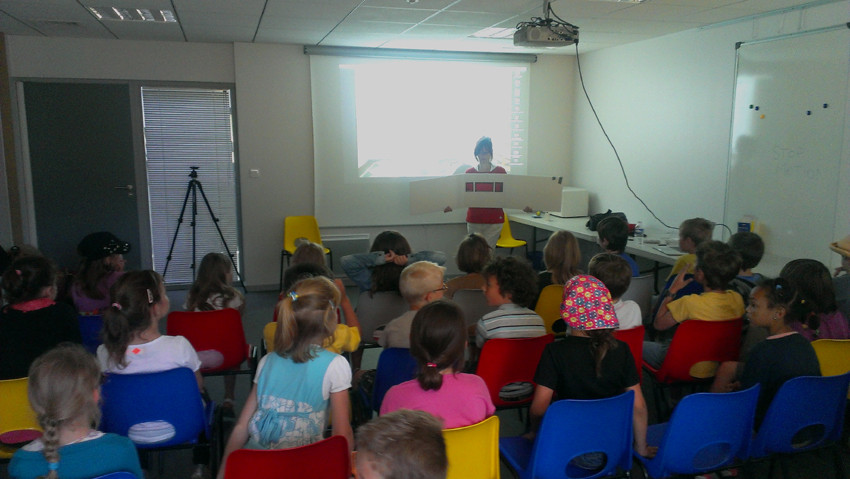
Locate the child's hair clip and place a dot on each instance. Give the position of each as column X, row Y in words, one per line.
column 431, row 365
column 294, row 296
column 18, row 272
column 150, row 296
column 117, row 306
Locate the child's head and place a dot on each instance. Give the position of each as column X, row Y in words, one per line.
column 385, row 277
column 28, row 278
column 421, row 283
column 102, row 254
column 588, row 310
column 484, row 147
column 437, row 341
column 813, row 282
column 63, row 390
column 717, row 263
column 214, row 276
column 561, row 255
column 307, row 252
column 750, row 246
column 403, row 444
column 775, row 299
column 473, row 254
column 297, row 272
column 509, row 280
column 614, row 272
column 305, row 318
column 613, row 234
column 693, row 232
column 842, row 247
column 138, row 302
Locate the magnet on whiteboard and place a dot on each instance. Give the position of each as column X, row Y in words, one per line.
column 762, row 116
column 809, row 112
column 826, row 105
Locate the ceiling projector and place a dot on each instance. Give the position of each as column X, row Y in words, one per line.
column 545, row 35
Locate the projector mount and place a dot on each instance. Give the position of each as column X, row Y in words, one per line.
column 546, row 31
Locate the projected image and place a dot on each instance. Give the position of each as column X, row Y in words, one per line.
column 421, row 119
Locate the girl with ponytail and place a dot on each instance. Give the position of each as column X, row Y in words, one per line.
column 589, row 363
column 32, row 323
column 437, row 342
column 288, row 405
column 64, row 389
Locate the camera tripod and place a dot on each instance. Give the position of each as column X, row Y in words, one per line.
column 192, row 190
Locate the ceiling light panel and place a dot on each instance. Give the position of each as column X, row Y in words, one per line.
column 122, row 14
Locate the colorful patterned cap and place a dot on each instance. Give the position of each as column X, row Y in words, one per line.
column 587, row 304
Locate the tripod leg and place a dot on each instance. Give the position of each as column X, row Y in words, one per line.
column 189, row 190
column 221, row 235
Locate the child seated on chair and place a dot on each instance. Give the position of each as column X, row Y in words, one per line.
column 616, row 275
column 561, row 256
column 511, row 287
column 813, row 282
column 750, row 247
column 589, row 363
column 717, row 264
column 64, row 390
column 613, row 235
column 420, row 283
column 32, row 323
column 401, row 444
column 692, row 233
column 472, row 255
column 380, row 268
column 438, row 343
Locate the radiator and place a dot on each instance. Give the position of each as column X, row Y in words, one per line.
column 345, row 244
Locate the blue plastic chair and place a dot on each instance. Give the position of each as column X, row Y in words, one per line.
column 395, row 366
column 118, row 475
column 811, row 403
column 90, row 326
column 571, row 428
column 707, row 432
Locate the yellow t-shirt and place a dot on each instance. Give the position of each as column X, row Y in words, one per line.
column 345, row 338
column 683, row 261
column 710, row 306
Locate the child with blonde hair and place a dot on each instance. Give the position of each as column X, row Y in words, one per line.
column 299, row 383
column 64, row 389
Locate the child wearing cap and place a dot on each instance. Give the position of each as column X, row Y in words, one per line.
column 103, row 263
column 841, row 281
column 589, row 363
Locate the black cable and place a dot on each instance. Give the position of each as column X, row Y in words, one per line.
column 616, row 153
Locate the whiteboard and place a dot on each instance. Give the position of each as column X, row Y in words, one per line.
column 787, row 154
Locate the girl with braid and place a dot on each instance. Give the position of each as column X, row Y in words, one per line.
column 437, row 342
column 64, row 390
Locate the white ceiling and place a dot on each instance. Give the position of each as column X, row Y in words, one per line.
column 424, row 24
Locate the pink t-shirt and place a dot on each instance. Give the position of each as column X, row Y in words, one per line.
column 462, row 400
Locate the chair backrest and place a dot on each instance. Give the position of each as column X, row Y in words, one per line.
column 706, row 432
column 505, row 234
column 634, row 338
column 295, row 227
column 640, row 291
column 119, row 475
column 833, row 355
column 473, row 303
column 698, row 347
column 571, row 428
column 378, row 309
column 18, row 423
column 813, row 403
column 90, row 326
column 326, row 459
column 171, row 396
column 395, row 366
column 219, row 330
column 549, row 305
column 473, row 451
column 505, row 361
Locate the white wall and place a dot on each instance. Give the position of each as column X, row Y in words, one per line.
column 274, row 122
column 667, row 106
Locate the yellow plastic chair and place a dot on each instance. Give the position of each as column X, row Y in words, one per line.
column 833, row 356
column 18, row 424
column 549, row 305
column 295, row 227
column 506, row 239
column 473, row 451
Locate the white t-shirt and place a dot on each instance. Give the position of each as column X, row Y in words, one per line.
column 161, row 354
column 337, row 377
column 628, row 313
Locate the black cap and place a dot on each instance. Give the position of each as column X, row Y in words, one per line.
column 100, row 245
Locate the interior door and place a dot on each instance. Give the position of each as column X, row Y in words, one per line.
column 80, row 142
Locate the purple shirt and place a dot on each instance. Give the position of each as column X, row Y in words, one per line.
column 84, row 304
column 462, row 400
column 832, row 326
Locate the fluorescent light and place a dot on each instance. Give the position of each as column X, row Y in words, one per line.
column 133, row 14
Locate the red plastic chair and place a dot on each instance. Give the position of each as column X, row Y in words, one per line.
column 326, row 459
column 634, row 338
column 505, row 361
column 220, row 330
